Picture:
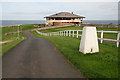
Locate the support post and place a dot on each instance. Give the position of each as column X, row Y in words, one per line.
column 73, row 33
column 118, row 37
column 101, row 41
column 77, row 34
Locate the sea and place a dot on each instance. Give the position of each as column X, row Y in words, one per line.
column 16, row 22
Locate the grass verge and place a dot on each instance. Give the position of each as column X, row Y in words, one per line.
column 100, row 65
column 8, row 46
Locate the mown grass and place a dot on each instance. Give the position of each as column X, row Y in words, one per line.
column 106, row 35
column 103, row 64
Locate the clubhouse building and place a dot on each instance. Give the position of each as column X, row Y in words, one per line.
column 64, row 18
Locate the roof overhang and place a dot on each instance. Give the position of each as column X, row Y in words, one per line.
column 63, row 17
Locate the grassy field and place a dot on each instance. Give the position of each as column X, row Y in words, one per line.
column 13, row 29
column 28, row 26
column 106, row 35
column 6, row 46
column 100, row 65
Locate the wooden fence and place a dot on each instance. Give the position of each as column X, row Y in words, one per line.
column 75, row 33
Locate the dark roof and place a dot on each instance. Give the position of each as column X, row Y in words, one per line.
column 64, row 14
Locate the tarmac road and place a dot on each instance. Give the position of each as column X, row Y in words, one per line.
column 36, row 58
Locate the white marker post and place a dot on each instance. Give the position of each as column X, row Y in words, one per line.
column 89, row 40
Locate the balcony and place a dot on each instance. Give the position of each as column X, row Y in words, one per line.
column 76, row 20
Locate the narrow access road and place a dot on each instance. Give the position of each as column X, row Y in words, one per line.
column 36, row 58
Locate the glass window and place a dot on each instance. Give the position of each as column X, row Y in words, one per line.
column 48, row 18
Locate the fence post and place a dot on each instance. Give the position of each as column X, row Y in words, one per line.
column 52, row 33
column 73, row 33
column 101, row 41
column 41, row 33
column 64, row 33
column 60, row 33
column 69, row 32
column 57, row 33
column 118, row 36
column 77, row 34
column 48, row 34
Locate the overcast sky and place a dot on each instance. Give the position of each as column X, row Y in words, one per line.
column 14, row 10
column 59, row 0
